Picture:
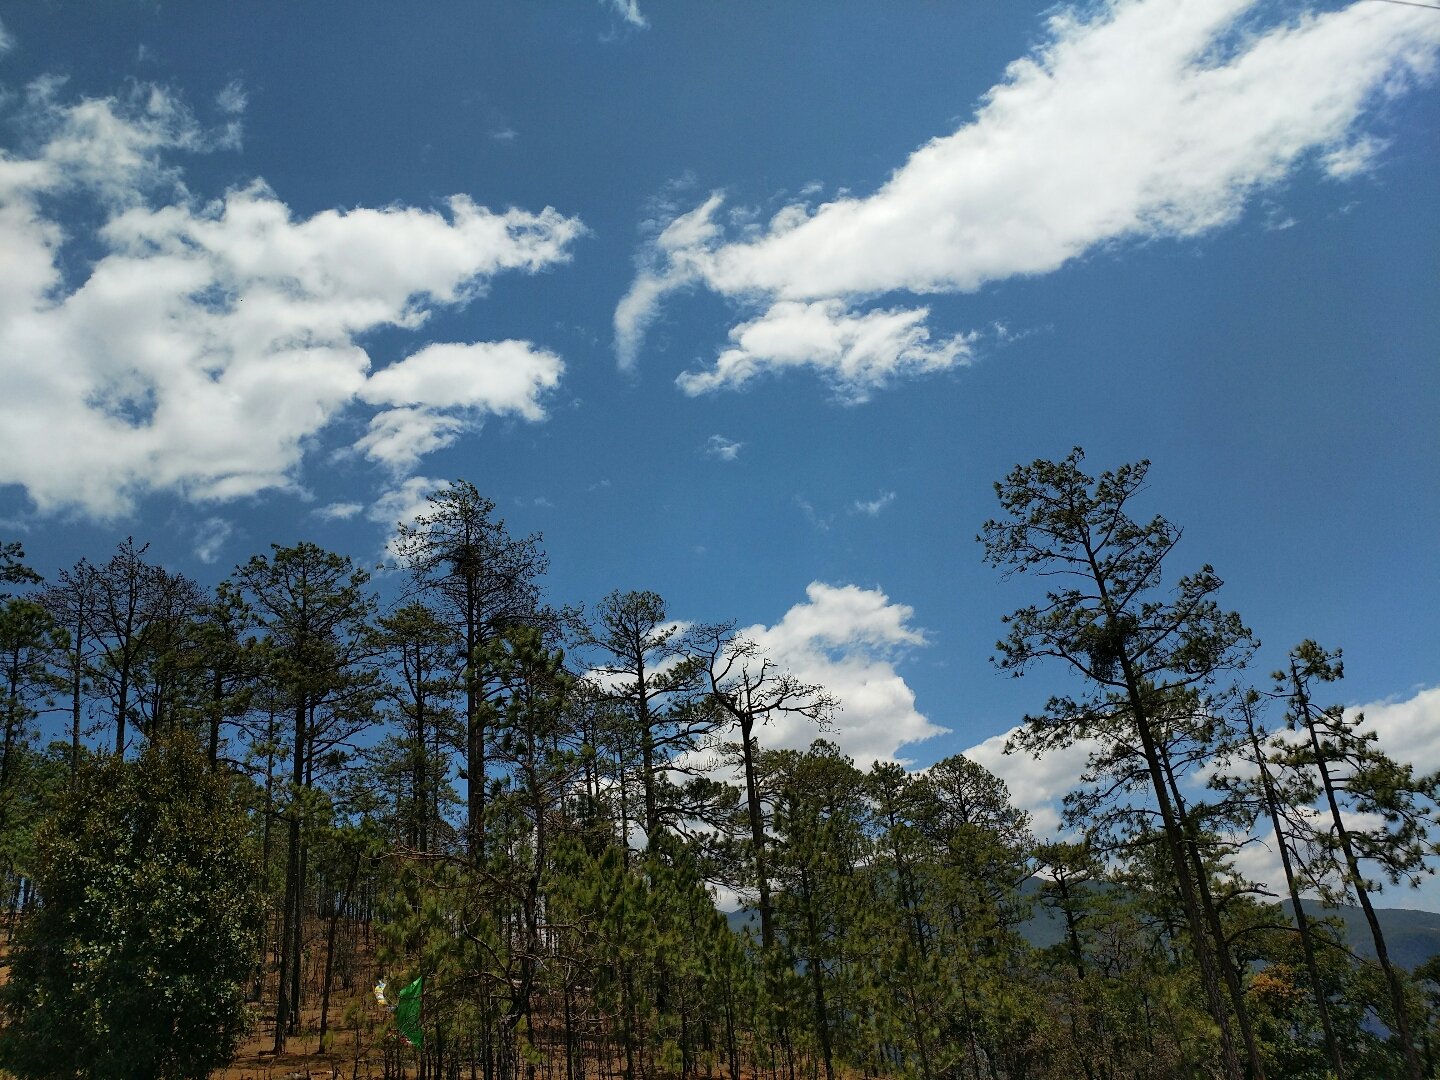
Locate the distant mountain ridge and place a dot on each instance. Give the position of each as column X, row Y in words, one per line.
column 1411, row 936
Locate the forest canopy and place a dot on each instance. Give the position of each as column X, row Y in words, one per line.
column 232, row 809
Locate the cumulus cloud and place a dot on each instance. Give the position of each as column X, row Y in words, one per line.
column 856, row 353
column 403, row 503
column 446, row 388
column 1131, row 120
column 848, row 640
column 400, row 437
column 718, row 446
column 1408, row 730
column 1037, row 784
column 207, row 343
column 496, row 376
column 338, row 511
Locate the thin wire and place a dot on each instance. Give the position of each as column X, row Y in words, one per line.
column 1409, row 3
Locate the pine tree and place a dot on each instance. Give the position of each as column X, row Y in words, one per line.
column 1108, row 620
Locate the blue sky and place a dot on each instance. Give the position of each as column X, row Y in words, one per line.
column 747, row 304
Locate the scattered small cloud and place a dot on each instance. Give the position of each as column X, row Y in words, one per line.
column 448, row 388
column 872, row 507
column 1277, row 219
column 1408, row 730
column 598, row 485
column 338, row 511
column 232, row 99
column 505, row 134
column 823, row 522
column 717, row 446
column 629, row 12
column 210, row 537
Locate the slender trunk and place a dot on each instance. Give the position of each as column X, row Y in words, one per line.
column 1223, row 956
column 287, row 957
column 817, row 980
column 474, row 733
column 297, row 968
column 287, row 995
column 122, row 704
column 1174, row 838
column 1302, row 921
column 330, row 948
column 757, row 833
column 1362, row 894
column 77, row 681
column 647, row 747
column 217, row 698
column 1175, row 845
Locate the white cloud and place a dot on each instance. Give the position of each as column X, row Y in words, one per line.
column 671, row 261
column 490, row 376
column 402, row 504
column 1135, row 120
column 629, row 11
column 338, row 511
column 399, row 438
column 210, row 538
column 1037, row 784
column 847, row 640
column 856, row 353
column 445, row 389
column 872, row 507
column 720, row 447
column 232, row 98
column 1407, row 730
column 6, row 41
column 208, row 343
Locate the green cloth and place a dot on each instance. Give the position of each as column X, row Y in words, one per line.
column 407, row 1013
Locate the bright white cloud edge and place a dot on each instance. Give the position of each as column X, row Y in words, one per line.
column 209, row 343
column 1143, row 119
column 1408, row 730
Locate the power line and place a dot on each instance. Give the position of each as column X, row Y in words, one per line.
column 1409, row 3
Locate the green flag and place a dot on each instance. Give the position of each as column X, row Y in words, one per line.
column 407, row 1013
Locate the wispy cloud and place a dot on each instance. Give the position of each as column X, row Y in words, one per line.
column 1132, row 120
column 338, row 511
column 210, row 537
column 232, row 99
column 872, row 507
column 823, row 522
column 717, row 446
column 629, row 12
